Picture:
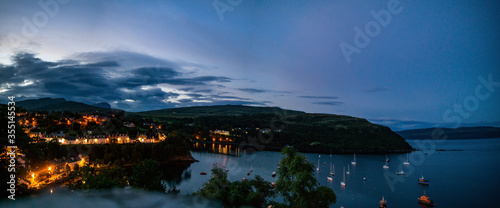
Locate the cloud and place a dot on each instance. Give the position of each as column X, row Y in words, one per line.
column 318, row 97
column 333, row 103
column 108, row 77
column 253, row 90
column 375, row 89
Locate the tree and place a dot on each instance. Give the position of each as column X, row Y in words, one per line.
column 147, row 175
column 297, row 184
column 217, row 185
column 253, row 192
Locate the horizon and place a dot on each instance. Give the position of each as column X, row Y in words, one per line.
column 405, row 65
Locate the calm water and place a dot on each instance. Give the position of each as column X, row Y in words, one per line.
column 464, row 177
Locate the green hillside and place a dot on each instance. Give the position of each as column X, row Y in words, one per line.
column 218, row 110
column 308, row 132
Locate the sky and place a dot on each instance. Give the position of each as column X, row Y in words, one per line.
column 405, row 64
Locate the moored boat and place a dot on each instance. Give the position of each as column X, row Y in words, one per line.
column 354, row 161
column 383, row 203
column 332, row 169
column 317, row 168
column 425, row 200
column 423, row 181
column 342, row 183
column 400, row 172
column 274, row 174
column 203, row 173
column 407, row 162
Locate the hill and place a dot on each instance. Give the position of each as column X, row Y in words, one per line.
column 457, row 133
column 217, row 110
column 59, row 104
column 305, row 131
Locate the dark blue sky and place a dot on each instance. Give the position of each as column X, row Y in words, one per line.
column 413, row 64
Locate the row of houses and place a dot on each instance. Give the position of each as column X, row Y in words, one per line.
column 99, row 139
column 109, row 138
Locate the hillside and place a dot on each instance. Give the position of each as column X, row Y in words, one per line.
column 218, row 110
column 59, row 104
column 458, row 133
column 308, row 132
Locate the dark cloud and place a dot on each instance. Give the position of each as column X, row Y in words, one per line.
column 334, row 103
column 103, row 64
column 92, row 78
column 253, row 90
column 318, row 97
column 375, row 89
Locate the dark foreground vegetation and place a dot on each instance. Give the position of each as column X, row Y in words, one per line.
column 296, row 184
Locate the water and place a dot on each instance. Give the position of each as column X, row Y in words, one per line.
column 464, row 177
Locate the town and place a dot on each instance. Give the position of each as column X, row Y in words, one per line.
column 56, row 130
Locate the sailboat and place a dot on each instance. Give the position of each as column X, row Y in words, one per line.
column 348, row 170
column 383, row 203
column 251, row 168
column 386, row 166
column 318, row 163
column 342, row 183
column 332, row 169
column 387, row 159
column 407, row 157
column 354, row 161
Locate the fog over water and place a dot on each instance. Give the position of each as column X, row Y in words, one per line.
column 116, row 198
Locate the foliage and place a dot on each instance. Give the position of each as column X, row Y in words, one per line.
column 147, row 175
column 297, row 184
column 88, row 177
column 254, row 192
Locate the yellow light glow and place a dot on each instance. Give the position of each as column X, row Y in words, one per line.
column 33, row 175
column 50, row 168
